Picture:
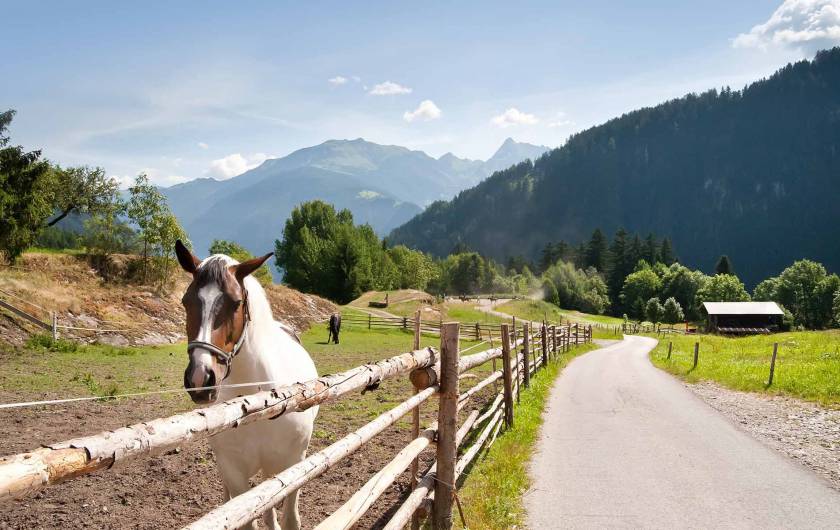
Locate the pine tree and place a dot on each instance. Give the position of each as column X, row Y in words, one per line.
column 651, row 250
column 666, row 252
column 724, row 265
column 634, row 254
column 596, row 251
column 616, row 271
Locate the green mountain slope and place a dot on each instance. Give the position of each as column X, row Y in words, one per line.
column 754, row 174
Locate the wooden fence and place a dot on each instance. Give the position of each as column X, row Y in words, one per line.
column 432, row 372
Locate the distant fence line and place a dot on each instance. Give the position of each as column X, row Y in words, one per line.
column 431, row 371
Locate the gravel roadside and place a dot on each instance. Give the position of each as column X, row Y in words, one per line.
column 804, row 431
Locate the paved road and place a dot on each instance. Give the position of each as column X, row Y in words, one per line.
column 625, row 445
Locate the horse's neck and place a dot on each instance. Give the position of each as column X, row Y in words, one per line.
column 260, row 356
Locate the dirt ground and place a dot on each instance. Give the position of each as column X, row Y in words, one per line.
column 173, row 489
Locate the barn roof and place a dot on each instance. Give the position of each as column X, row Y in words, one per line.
column 742, row 308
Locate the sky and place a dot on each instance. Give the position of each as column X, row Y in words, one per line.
column 183, row 90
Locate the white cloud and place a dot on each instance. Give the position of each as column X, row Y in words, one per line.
column 389, row 88
column 514, row 116
column 426, row 111
column 803, row 25
column 561, row 121
column 368, row 194
column 156, row 177
column 203, row 145
column 337, row 80
column 235, row 164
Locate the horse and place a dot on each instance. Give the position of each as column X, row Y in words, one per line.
column 334, row 327
column 234, row 339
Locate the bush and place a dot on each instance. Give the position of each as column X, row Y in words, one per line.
column 41, row 341
column 673, row 312
column 654, row 310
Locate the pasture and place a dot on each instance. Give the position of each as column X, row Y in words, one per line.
column 807, row 364
column 177, row 487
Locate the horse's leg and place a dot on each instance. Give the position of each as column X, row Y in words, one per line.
column 236, row 482
column 291, row 514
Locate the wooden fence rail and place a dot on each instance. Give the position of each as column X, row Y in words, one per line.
column 431, row 371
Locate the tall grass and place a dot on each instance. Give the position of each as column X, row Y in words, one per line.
column 807, row 365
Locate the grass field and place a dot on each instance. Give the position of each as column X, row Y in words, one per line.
column 807, row 365
column 492, row 493
column 539, row 309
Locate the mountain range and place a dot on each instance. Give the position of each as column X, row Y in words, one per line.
column 383, row 185
column 752, row 173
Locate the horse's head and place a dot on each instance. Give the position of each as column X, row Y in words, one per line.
column 216, row 303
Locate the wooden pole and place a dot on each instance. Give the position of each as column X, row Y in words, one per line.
column 670, row 347
column 526, row 353
column 415, row 425
column 447, row 427
column 54, row 325
column 368, row 320
column 507, row 376
column 773, row 363
column 696, row 354
column 477, row 332
column 544, row 340
column 554, row 340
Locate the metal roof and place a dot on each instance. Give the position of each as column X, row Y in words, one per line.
column 742, row 308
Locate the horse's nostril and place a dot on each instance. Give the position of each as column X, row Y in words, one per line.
column 210, row 378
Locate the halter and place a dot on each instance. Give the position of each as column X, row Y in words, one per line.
column 226, row 358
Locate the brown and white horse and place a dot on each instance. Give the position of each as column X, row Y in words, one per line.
column 234, row 339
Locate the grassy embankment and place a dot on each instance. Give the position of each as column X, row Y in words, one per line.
column 807, row 365
column 492, row 492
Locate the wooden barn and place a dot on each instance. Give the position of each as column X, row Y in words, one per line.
column 743, row 318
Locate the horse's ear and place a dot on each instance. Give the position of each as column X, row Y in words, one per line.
column 247, row 267
column 186, row 258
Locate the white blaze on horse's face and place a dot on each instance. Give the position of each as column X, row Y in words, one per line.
column 216, row 310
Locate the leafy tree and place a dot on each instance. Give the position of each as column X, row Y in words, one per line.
column 807, row 290
column 81, row 190
column 682, row 284
column 654, row 310
column 836, row 307
column 24, row 194
column 550, row 292
column 639, row 287
column 145, row 207
column 722, row 288
column 672, row 311
column 165, row 232
column 105, row 233
column 240, row 254
column 724, row 265
column 596, row 251
column 578, row 289
column 767, row 290
column 416, row 270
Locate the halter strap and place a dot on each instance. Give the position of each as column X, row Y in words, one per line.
column 226, row 358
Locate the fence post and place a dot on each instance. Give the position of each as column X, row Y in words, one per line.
column 415, row 425
column 590, row 333
column 507, row 376
column 670, row 346
column 477, row 332
column 544, row 337
column 368, row 320
column 526, row 354
column 773, row 363
column 54, row 325
column 405, row 324
column 696, row 354
column 447, row 426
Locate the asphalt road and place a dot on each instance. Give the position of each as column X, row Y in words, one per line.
column 625, row 445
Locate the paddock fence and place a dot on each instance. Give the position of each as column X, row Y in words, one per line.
column 432, row 371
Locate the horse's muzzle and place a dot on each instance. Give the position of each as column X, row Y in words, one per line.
column 203, row 395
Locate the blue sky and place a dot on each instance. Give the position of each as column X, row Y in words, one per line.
column 191, row 89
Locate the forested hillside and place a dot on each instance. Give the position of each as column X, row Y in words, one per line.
column 754, row 174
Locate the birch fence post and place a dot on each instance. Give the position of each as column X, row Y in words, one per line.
column 526, row 354
column 507, row 376
column 54, row 325
column 773, row 363
column 447, row 426
column 544, row 339
column 415, row 425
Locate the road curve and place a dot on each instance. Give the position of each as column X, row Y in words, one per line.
column 625, row 445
